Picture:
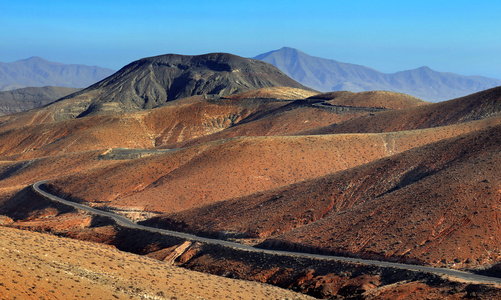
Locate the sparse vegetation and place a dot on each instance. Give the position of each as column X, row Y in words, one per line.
column 417, row 183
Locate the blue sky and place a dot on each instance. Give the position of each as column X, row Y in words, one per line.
column 454, row 36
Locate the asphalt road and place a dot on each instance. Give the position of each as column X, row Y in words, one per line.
column 128, row 223
column 343, row 108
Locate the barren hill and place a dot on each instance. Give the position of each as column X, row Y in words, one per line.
column 154, row 81
column 432, row 204
column 29, row 135
column 477, row 106
column 63, row 268
column 212, row 170
column 215, row 171
column 443, row 195
column 283, row 93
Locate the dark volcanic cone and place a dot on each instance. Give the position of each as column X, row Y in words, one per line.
column 152, row 82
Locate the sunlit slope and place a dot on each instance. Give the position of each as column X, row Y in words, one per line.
column 157, row 127
column 283, row 93
column 35, row 265
column 477, row 106
column 225, row 169
column 433, row 203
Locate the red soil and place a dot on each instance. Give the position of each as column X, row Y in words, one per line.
column 434, row 204
column 217, row 171
column 478, row 106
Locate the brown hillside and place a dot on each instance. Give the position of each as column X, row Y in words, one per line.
column 435, row 204
column 383, row 99
column 477, row 106
column 288, row 119
column 319, row 278
column 231, row 168
column 191, row 121
column 26, row 172
column 158, row 127
column 216, row 171
column 36, row 134
column 283, row 93
column 42, row 266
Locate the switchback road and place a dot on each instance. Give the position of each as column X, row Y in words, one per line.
column 128, row 223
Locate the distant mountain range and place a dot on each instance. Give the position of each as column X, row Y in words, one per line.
column 320, row 74
column 38, row 72
column 23, row 99
column 329, row 75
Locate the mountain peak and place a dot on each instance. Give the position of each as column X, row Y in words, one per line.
column 34, row 59
column 219, row 61
column 425, row 68
column 288, row 49
column 153, row 81
column 284, row 51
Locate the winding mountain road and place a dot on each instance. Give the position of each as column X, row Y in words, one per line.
column 128, row 223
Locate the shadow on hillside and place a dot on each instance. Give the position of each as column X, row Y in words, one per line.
column 26, row 202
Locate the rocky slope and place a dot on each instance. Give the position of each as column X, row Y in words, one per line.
column 283, row 93
column 108, row 275
column 154, row 81
column 214, row 170
column 206, row 173
column 446, row 196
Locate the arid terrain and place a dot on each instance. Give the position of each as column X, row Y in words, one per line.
column 42, row 266
column 209, row 145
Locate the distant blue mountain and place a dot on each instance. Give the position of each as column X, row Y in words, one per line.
column 38, row 72
column 329, row 75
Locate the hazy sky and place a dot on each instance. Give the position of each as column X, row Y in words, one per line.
column 458, row 36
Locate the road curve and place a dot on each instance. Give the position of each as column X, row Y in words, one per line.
column 128, row 223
